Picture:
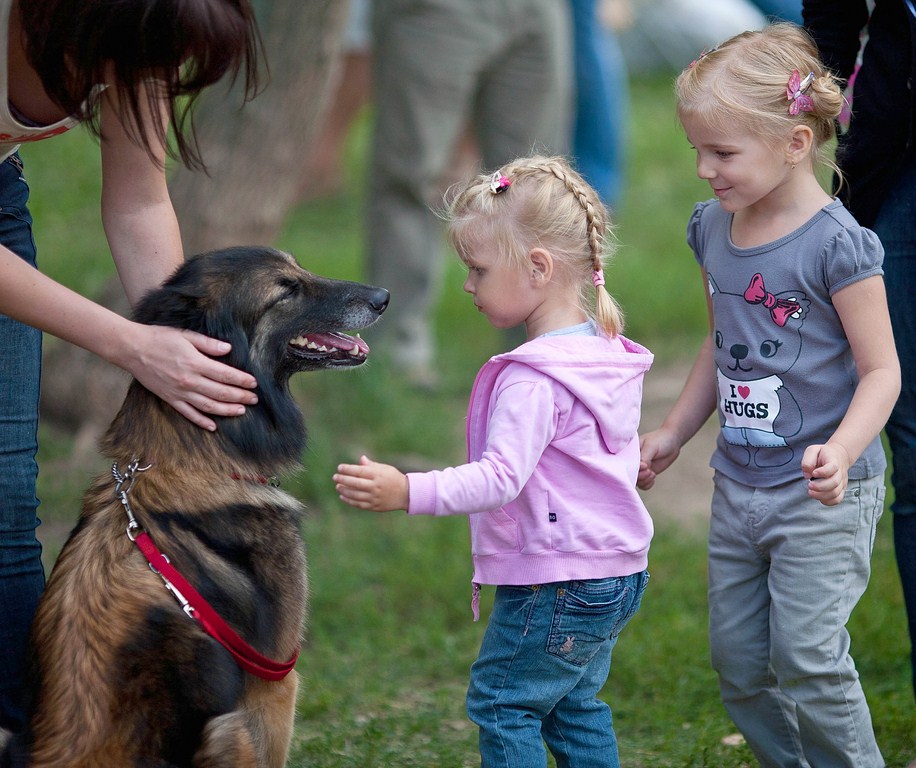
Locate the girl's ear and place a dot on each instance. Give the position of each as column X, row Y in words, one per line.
column 540, row 266
column 801, row 141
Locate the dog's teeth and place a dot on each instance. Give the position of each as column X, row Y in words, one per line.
column 307, row 343
column 355, row 351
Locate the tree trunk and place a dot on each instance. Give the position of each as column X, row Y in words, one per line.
column 256, row 154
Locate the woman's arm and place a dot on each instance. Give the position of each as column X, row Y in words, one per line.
column 141, row 228
column 137, row 213
column 142, row 231
column 169, row 362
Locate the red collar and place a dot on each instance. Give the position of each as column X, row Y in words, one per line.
column 259, row 479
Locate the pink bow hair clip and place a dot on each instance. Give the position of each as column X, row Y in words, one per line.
column 795, row 93
column 499, row 183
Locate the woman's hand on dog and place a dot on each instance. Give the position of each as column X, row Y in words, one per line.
column 370, row 485
column 174, row 364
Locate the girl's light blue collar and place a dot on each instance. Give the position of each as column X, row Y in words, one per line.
column 582, row 329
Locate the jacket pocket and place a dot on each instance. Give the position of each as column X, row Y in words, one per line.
column 493, row 533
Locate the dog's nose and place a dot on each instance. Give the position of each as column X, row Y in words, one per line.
column 378, row 299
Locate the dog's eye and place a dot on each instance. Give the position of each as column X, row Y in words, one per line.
column 285, row 290
column 290, row 289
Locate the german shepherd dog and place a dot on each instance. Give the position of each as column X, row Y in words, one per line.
column 122, row 673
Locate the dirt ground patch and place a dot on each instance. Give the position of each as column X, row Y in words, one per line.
column 682, row 493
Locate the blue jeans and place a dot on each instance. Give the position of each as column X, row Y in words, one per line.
column 896, row 226
column 21, row 572
column 785, row 572
column 545, row 656
column 602, row 103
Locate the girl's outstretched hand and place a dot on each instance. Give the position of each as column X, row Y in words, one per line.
column 174, row 364
column 826, row 468
column 373, row 486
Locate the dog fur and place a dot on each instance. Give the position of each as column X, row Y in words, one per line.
column 121, row 676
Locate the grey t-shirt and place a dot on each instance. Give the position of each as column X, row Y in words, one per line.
column 785, row 371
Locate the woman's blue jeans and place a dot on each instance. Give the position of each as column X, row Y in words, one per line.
column 602, row 103
column 21, row 573
column 545, row 656
column 896, row 226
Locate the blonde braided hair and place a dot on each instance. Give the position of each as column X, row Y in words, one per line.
column 540, row 201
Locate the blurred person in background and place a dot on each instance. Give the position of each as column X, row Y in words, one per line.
column 438, row 66
column 602, row 95
column 877, row 155
column 325, row 170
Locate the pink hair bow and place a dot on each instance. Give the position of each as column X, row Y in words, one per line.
column 795, row 93
column 780, row 309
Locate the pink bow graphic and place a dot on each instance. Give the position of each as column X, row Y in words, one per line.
column 780, row 309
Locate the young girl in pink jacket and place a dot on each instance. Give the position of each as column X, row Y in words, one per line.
column 553, row 455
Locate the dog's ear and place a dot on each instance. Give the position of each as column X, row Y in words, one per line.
column 170, row 306
column 187, row 301
column 180, row 305
column 219, row 323
column 177, row 302
column 183, row 302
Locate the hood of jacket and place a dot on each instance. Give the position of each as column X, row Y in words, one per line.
column 604, row 374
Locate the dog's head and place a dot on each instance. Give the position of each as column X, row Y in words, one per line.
column 279, row 318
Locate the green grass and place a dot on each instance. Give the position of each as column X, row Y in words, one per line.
column 390, row 635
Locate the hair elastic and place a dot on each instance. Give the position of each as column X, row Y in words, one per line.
column 598, row 277
column 705, row 52
column 499, row 183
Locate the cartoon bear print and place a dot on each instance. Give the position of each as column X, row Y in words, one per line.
column 758, row 338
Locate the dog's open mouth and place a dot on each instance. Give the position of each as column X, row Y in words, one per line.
column 331, row 347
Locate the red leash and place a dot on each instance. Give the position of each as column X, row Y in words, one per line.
column 189, row 598
column 198, row 608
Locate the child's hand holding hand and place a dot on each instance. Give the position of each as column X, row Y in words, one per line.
column 370, row 485
column 657, row 451
column 826, row 468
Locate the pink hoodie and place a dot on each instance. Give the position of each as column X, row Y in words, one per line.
column 550, row 487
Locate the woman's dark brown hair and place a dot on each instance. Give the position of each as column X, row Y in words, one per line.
column 181, row 45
